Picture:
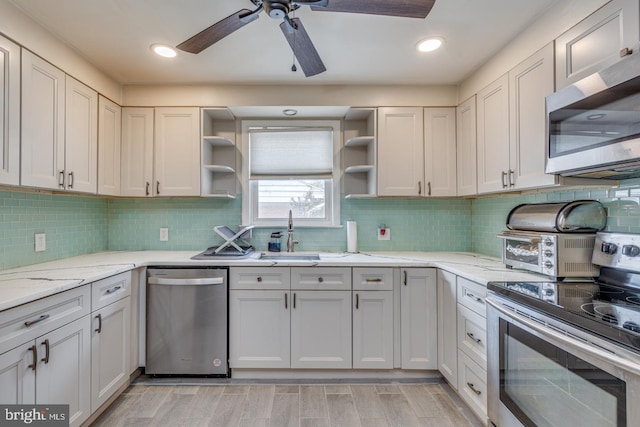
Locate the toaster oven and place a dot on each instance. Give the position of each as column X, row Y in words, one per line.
column 556, row 255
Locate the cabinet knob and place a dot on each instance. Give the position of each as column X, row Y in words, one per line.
column 259, row 279
column 320, row 279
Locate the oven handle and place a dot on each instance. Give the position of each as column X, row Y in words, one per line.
column 519, row 238
column 613, row 359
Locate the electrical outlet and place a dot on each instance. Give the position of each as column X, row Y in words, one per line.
column 384, row 234
column 164, row 234
column 40, row 242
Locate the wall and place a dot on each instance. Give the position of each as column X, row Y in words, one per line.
column 74, row 225
column 489, row 214
column 424, row 225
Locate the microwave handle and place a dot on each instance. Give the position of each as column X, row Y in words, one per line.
column 612, row 358
column 520, row 238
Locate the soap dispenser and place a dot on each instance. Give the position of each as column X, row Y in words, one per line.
column 274, row 244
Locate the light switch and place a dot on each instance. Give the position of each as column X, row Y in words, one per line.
column 164, row 234
column 40, row 242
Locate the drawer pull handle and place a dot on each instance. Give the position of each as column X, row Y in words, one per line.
column 61, row 179
column 99, row 317
column 146, row 191
column 158, row 188
column 471, row 386
column 112, row 290
column 45, row 359
column 376, row 280
column 404, row 280
column 70, row 185
column 470, row 335
column 473, row 297
column 259, row 279
column 294, row 300
column 34, row 350
column 286, row 301
column 38, row 320
column 320, row 279
column 357, row 301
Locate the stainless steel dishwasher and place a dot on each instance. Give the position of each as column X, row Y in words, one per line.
column 187, row 321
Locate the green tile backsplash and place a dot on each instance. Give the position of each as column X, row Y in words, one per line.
column 73, row 225
column 76, row 225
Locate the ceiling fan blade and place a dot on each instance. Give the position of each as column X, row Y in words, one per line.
column 302, row 47
column 218, row 31
column 403, row 8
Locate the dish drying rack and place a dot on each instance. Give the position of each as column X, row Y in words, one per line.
column 234, row 243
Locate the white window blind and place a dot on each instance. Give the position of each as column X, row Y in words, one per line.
column 291, row 152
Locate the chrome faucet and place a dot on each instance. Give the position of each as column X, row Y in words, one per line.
column 290, row 242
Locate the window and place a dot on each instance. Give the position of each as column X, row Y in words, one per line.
column 291, row 165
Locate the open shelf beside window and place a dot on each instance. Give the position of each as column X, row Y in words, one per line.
column 359, row 153
column 219, row 153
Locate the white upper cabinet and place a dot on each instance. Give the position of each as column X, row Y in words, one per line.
column 109, row 135
column 43, row 93
column 400, row 151
column 529, row 83
column 493, row 136
column 9, row 112
column 81, row 137
column 59, row 129
column 597, row 41
column 137, row 152
column 440, row 152
column 466, row 137
column 177, row 151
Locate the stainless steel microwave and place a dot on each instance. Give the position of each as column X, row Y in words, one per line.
column 593, row 125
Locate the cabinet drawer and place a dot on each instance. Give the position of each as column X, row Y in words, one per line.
column 372, row 279
column 321, row 278
column 110, row 289
column 472, row 335
column 472, row 385
column 472, row 295
column 29, row 321
column 260, row 278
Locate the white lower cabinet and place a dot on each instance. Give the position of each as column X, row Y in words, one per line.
column 321, row 329
column 419, row 318
column 447, row 328
column 373, row 329
column 472, row 385
column 259, row 328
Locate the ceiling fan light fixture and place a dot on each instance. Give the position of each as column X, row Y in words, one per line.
column 164, row 50
column 430, row 44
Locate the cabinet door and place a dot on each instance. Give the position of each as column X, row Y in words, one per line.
column 466, row 137
column 259, row 329
column 137, row 152
column 177, row 151
column 529, row 83
column 63, row 375
column 595, row 42
column 493, row 136
column 109, row 134
column 42, row 125
column 109, row 350
column 440, row 151
column 419, row 319
column 447, row 329
column 321, row 329
column 373, row 329
column 81, row 137
column 9, row 112
column 400, row 152
column 17, row 378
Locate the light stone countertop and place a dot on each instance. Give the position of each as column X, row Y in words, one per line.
column 25, row 284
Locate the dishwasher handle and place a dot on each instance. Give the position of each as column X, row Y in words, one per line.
column 176, row 281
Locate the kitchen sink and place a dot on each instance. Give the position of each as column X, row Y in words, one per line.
column 290, row 257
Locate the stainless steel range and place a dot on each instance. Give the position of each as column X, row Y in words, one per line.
column 567, row 353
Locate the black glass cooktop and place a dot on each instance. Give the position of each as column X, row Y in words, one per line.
column 608, row 307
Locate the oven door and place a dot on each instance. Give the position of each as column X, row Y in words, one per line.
column 554, row 375
column 522, row 251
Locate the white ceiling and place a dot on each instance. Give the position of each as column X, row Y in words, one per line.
column 115, row 36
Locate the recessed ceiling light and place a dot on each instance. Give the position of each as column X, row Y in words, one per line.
column 289, row 112
column 164, row 50
column 430, row 44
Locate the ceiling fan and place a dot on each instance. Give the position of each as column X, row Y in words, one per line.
column 292, row 28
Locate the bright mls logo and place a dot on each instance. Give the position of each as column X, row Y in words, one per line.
column 34, row 415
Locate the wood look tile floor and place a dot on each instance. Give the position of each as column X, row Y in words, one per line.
column 276, row 405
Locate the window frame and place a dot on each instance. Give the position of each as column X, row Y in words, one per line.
column 249, row 190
